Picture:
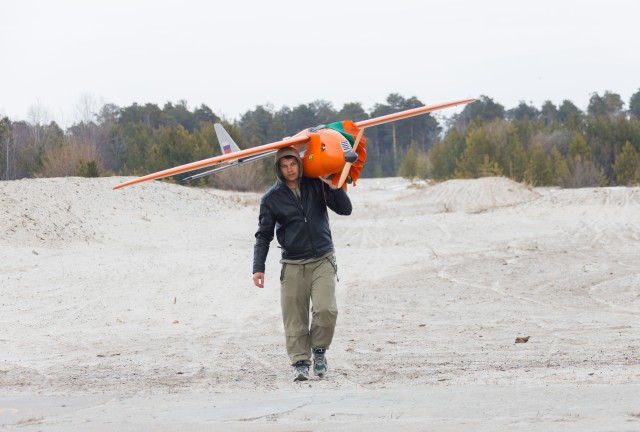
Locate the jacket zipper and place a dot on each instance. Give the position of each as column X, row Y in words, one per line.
column 306, row 223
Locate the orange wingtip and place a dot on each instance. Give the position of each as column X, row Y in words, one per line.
column 410, row 113
column 217, row 159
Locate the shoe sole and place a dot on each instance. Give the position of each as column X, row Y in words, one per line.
column 320, row 374
column 300, row 377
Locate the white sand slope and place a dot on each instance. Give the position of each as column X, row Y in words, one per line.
column 135, row 310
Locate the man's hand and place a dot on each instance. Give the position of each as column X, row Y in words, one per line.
column 258, row 279
column 329, row 181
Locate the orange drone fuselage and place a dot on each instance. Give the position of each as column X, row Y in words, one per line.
column 324, row 153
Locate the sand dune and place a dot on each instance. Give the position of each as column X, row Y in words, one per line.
column 134, row 310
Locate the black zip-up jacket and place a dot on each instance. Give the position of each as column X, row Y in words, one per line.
column 302, row 227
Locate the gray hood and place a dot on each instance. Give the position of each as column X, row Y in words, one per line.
column 286, row 151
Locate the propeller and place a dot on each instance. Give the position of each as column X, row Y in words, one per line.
column 347, row 165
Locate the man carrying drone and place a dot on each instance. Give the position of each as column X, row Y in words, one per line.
column 295, row 207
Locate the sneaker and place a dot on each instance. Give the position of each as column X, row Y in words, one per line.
column 320, row 366
column 301, row 371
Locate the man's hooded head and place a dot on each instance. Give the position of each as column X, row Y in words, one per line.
column 287, row 152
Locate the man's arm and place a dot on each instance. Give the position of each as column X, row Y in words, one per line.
column 264, row 235
column 337, row 198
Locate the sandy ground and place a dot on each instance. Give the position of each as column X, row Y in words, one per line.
column 134, row 310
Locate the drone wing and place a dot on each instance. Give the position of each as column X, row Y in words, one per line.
column 393, row 117
column 234, row 156
column 230, row 157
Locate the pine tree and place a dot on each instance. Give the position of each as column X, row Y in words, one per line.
column 627, row 165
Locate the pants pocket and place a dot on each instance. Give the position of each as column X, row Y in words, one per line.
column 334, row 264
column 284, row 266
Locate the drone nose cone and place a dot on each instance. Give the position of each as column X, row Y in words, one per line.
column 351, row 156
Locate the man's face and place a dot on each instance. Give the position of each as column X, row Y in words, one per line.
column 289, row 168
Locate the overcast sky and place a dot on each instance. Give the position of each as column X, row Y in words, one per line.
column 233, row 55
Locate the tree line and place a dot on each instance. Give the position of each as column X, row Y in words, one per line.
column 551, row 145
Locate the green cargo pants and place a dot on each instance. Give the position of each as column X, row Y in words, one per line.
column 301, row 285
